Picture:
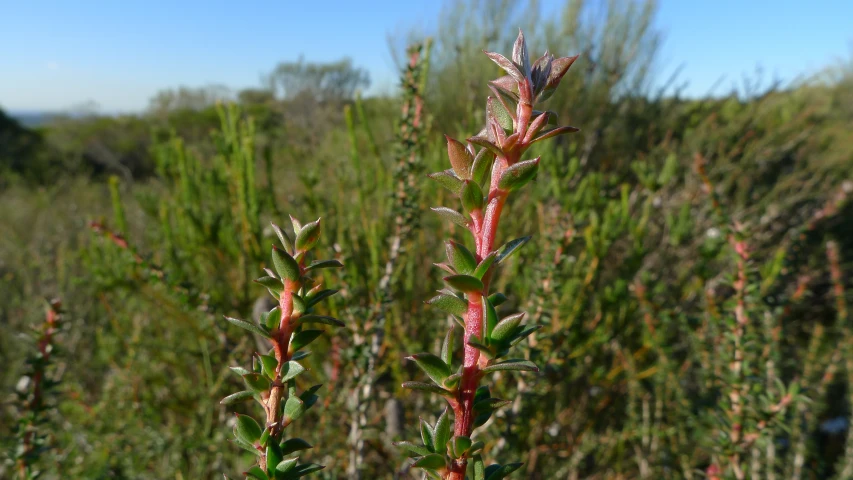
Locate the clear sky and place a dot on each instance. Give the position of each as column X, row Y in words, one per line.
column 119, row 53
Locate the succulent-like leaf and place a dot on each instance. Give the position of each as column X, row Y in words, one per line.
column 237, row 397
column 452, row 216
column 447, row 347
column 506, row 327
column 460, row 445
column 314, row 299
column 497, row 298
column 520, row 54
column 286, row 465
column 518, row 175
column 462, row 260
column 417, row 450
column 286, row 242
column 270, row 282
column 324, row 264
column 427, row 435
column 442, row 432
column 507, row 65
column 449, row 303
column 294, row 408
column 302, row 470
column 290, row 370
column 518, row 365
column 308, row 236
column 294, row 445
column 460, row 158
column 274, row 455
column 464, row 283
column 427, row 387
column 497, row 472
column 496, row 110
column 285, row 265
column 269, row 364
column 247, row 429
column 487, row 143
column 479, row 468
column 256, row 382
column 256, row 473
column 249, row 326
column 510, row 247
column 484, row 265
column 432, row 461
column 472, row 196
column 491, row 318
column 303, row 338
column 324, row 319
column 554, row 132
column 271, row 319
column 482, row 166
column 448, row 180
column 432, row 365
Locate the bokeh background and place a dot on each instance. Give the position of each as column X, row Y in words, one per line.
column 146, row 146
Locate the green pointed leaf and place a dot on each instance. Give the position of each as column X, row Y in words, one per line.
column 506, row 327
column 447, row 347
column 294, row 445
column 237, row 397
column 285, row 265
column 308, row 396
column 491, row 317
column 451, row 216
column 442, row 432
column 482, row 347
column 249, row 326
column 245, row 446
column 489, row 405
column 502, row 471
column 497, row 111
column 417, row 450
column 269, row 364
column 518, row 175
column 319, row 296
column 482, row 166
column 472, row 196
column 465, row 283
column 296, row 225
column 432, row 365
column 247, row 429
column 479, row 468
column 497, row 298
column 299, row 305
column 485, row 142
column 286, row 242
column 510, row 247
column 459, row 446
column 514, row 364
column 256, row 473
column 274, row 455
column 257, row 382
column 303, row 338
column 432, row 461
column 271, row 319
column 460, row 258
column 428, row 435
column 448, row 180
column 270, row 282
column 294, row 408
column 300, row 355
column 290, row 370
column 322, row 319
column 449, row 303
column 286, row 465
column 460, row 158
column 554, row 132
column 427, row 387
column 452, row 381
column 302, row 470
column 484, row 265
column 524, row 334
column 239, row 371
column 324, row 264
column 308, row 236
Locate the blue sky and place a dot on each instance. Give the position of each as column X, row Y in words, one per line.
column 118, row 53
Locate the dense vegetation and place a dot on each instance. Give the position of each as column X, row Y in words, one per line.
column 691, row 266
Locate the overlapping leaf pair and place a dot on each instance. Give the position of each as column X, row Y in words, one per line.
column 483, row 173
column 272, row 379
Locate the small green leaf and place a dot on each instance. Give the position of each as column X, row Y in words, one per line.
column 316, row 265
column 554, row 132
column 269, row 364
column 488, row 144
column 296, row 225
column 294, row 445
column 448, row 180
column 472, row 196
column 464, row 283
column 482, row 166
column 452, row 381
column 323, row 319
column 460, row 158
column 510, row 247
column 317, row 297
column 417, row 450
column 432, row 461
column 488, row 405
column 274, row 455
column 308, row 396
column 271, row 319
column 449, row 303
column 524, row 334
column 290, row 370
column 294, row 408
column 479, row 468
column 249, row 326
column 482, row 347
column 427, row 387
column 447, row 347
column 497, row 111
column 506, row 327
column 239, row 371
column 256, row 473
column 460, row 258
column 442, row 432
column 247, row 429
column 286, row 465
column 432, row 365
column 270, row 282
column 428, row 435
column 303, row 338
column 300, row 355
column 308, row 236
column 514, row 364
column 502, row 471
column 257, row 382
column 237, row 397
column 451, row 216
column 302, row 470
column 459, row 446
column 518, row 175
column 484, row 265
column 285, row 265
column 497, row 298
column 285, row 239
column 491, row 318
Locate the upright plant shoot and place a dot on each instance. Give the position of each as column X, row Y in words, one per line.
column 484, row 173
column 290, row 327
